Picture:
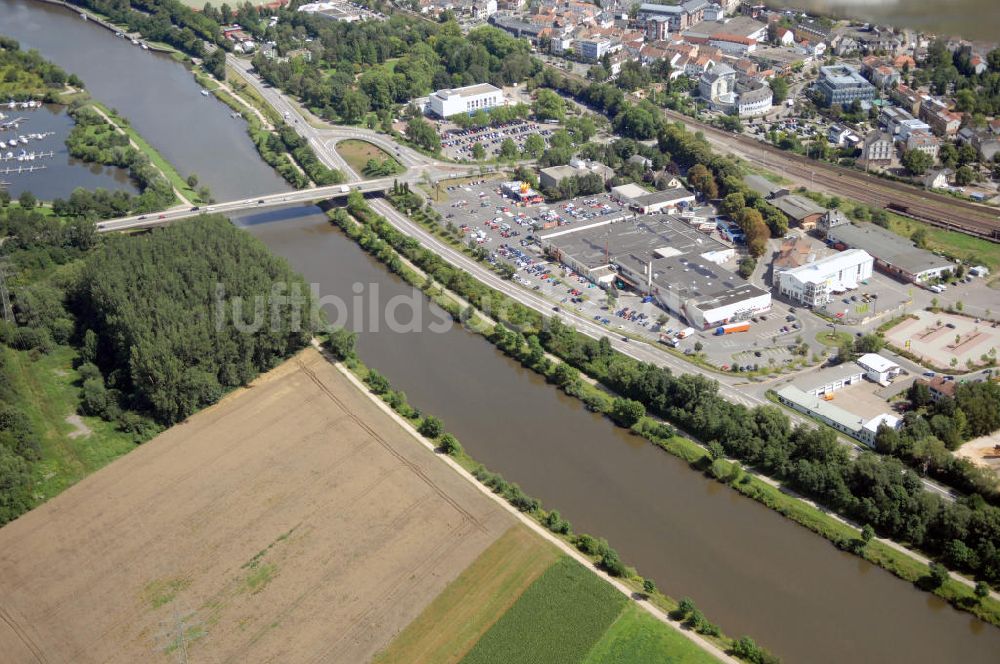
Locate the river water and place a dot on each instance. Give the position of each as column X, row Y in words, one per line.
column 971, row 19
column 62, row 174
column 158, row 95
column 751, row 570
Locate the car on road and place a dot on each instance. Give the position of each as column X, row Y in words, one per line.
column 195, row 208
column 260, row 202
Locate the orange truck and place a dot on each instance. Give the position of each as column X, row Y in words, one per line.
column 732, row 328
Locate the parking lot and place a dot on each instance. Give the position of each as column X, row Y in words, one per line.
column 946, row 340
column 877, row 297
column 456, row 143
column 483, row 214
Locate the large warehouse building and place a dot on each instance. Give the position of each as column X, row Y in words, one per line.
column 893, row 254
column 814, row 284
column 664, row 257
column 471, row 98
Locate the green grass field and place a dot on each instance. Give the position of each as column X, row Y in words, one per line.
column 48, row 393
column 639, row 637
column 827, row 338
column 967, row 247
column 474, row 601
column 557, row 620
column 357, row 153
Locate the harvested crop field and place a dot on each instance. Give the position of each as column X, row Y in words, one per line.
column 293, row 521
column 474, row 601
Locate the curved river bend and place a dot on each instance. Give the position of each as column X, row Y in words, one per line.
column 158, row 96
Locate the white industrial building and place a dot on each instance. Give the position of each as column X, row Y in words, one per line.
column 471, row 98
column 825, row 381
column 842, row 420
column 663, row 256
column 878, row 369
column 814, row 284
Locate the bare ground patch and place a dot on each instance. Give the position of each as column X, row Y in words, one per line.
column 80, row 428
column 292, row 522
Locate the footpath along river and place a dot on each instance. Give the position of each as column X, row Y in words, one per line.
column 751, row 570
column 158, row 96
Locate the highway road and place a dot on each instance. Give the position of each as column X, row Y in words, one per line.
column 324, row 140
column 266, row 201
column 732, row 388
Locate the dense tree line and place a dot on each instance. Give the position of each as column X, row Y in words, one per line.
column 27, row 75
column 154, row 336
column 35, row 246
column 304, row 155
column 18, row 448
column 94, row 140
column 398, row 60
column 935, row 428
column 492, row 117
column 160, row 316
column 578, row 185
column 167, row 21
column 870, row 489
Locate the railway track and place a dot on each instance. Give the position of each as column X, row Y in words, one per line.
column 936, row 209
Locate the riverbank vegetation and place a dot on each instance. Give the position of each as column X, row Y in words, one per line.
column 165, row 21
column 281, row 148
column 26, row 75
column 870, row 489
column 115, row 337
column 95, row 140
column 340, row 343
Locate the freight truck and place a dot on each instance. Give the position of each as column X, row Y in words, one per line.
column 732, row 328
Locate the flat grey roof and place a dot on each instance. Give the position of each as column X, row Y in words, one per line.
column 888, row 247
column 560, row 172
column 797, row 207
column 468, row 90
column 741, row 26
column 633, row 243
column 843, row 76
column 821, row 407
column 665, row 196
column 660, row 9
column 818, row 379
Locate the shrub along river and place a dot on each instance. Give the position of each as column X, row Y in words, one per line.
column 749, row 569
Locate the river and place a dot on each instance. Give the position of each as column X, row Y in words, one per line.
column 971, row 19
column 751, row 570
column 158, row 96
column 62, row 173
